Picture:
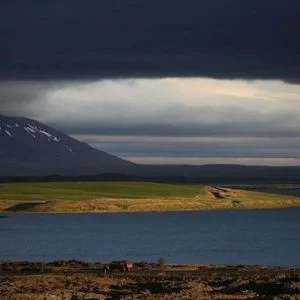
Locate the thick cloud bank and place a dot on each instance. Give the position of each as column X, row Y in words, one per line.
column 63, row 39
column 172, row 120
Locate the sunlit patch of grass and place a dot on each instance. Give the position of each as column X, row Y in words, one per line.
column 94, row 190
column 136, row 197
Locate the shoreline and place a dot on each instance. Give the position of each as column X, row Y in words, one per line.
column 210, row 199
column 36, row 266
column 4, row 215
column 81, row 280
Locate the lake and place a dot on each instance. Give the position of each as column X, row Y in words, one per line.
column 269, row 237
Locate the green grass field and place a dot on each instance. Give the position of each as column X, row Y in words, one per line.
column 100, row 197
column 94, row 190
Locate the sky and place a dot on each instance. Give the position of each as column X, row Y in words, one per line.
column 184, row 82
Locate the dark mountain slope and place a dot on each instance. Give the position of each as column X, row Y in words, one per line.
column 28, row 147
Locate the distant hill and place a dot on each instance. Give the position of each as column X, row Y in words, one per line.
column 28, row 147
column 34, row 151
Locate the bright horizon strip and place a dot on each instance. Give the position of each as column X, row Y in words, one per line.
column 94, row 138
column 249, row 161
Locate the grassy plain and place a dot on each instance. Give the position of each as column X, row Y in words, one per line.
column 98, row 197
column 94, row 190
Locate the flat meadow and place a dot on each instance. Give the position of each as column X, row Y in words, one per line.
column 103, row 197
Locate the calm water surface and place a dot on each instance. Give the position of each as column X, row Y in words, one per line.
column 270, row 237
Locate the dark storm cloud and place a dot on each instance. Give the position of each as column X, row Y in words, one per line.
column 17, row 98
column 63, row 39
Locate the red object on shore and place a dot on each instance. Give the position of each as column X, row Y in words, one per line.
column 122, row 265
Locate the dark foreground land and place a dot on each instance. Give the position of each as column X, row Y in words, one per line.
column 78, row 280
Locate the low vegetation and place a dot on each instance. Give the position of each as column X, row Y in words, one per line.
column 149, row 281
column 100, row 197
column 94, row 190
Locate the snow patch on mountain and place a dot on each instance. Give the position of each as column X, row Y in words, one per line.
column 70, row 149
column 29, row 131
column 34, row 131
column 30, row 147
column 46, row 133
column 8, row 133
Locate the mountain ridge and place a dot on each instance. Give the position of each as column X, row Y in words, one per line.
column 30, row 150
column 29, row 147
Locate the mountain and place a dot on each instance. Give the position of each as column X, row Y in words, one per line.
column 28, row 147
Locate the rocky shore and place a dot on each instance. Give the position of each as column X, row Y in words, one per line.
column 76, row 280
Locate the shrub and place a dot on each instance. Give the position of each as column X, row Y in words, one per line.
column 161, row 261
